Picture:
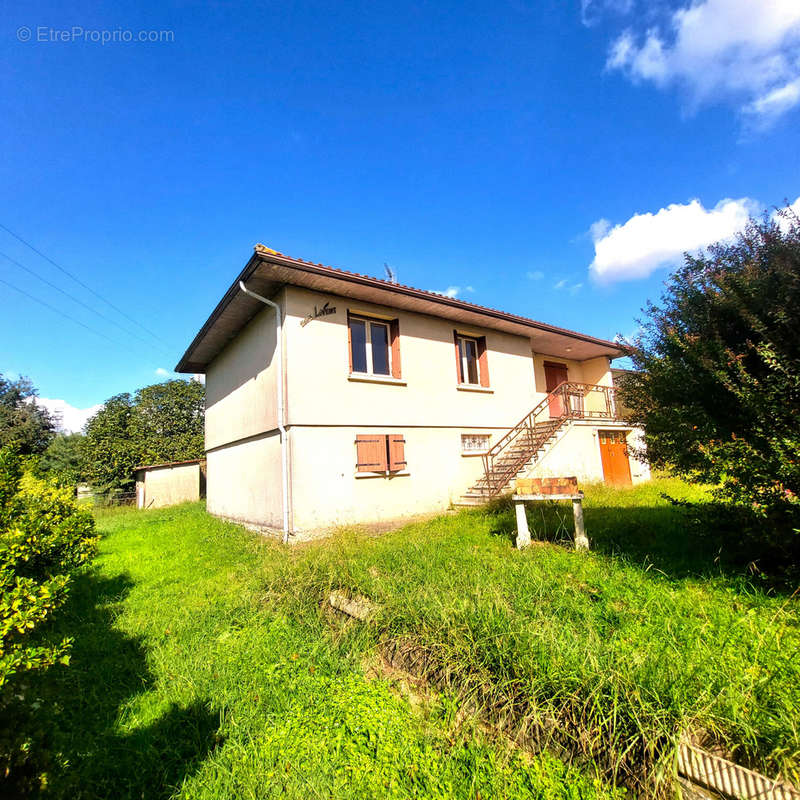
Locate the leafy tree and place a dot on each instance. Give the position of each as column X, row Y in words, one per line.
column 718, row 390
column 44, row 540
column 163, row 422
column 168, row 421
column 62, row 462
column 24, row 425
column 109, row 453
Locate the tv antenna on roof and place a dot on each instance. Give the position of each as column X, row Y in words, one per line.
column 391, row 275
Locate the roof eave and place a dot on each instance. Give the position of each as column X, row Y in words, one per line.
column 262, row 255
column 185, row 365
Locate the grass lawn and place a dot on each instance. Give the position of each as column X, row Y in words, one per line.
column 206, row 665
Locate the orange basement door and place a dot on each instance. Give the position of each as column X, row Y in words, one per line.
column 614, row 455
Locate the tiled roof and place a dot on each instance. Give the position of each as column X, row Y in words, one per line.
column 268, row 251
column 268, row 268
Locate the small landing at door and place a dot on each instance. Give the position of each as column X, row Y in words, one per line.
column 614, row 455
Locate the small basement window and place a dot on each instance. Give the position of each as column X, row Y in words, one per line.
column 474, row 442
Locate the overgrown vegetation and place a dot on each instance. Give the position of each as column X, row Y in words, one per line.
column 44, row 541
column 63, row 460
column 187, row 680
column 162, row 422
column 610, row 658
column 718, row 391
column 205, row 663
column 24, row 425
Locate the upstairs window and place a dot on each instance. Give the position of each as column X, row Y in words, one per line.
column 472, row 366
column 374, row 346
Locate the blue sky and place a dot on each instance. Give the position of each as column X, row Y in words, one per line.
column 555, row 157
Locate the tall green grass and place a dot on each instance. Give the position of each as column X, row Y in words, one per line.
column 189, row 679
column 206, row 664
column 611, row 656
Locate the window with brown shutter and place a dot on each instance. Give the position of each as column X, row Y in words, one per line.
column 394, row 334
column 483, row 361
column 380, row 452
column 472, row 363
column 373, row 346
column 397, row 452
column 371, row 453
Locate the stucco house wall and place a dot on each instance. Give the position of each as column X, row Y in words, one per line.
column 576, row 452
column 241, row 436
column 241, row 384
column 244, row 481
column 428, row 393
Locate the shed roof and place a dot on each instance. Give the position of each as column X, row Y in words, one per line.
column 169, row 464
column 268, row 270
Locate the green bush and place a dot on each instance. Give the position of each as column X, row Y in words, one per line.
column 717, row 386
column 44, row 539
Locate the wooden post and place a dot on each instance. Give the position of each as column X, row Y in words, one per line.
column 581, row 542
column 523, row 534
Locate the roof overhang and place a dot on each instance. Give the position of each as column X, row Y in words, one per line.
column 168, row 464
column 267, row 271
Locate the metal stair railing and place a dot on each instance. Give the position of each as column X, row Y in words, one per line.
column 568, row 401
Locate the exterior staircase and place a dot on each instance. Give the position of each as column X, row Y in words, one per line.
column 524, row 444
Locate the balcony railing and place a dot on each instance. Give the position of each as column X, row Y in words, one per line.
column 568, row 401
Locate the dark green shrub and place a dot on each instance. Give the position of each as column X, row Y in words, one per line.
column 44, row 539
column 718, row 382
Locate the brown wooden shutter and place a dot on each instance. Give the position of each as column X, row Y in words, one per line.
column 371, row 453
column 349, row 346
column 394, row 338
column 397, row 454
column 483, row 361
column 458, row 358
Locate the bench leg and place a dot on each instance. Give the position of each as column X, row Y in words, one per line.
column 523, row 534
column 581, row 542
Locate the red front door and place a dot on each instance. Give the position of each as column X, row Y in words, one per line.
column 555, row 374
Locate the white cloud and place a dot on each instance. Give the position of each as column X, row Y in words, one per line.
column 163, row 373
column 450, row 291
column 71, row 419
column 769, row 107
column 592, row 10
column 565, row 284
column 649, row 241
column 745, row 50
column 470, row 289
column 535, row 275
column 597, row 230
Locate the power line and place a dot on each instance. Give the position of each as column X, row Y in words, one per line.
column 79, row 301
column 81, row 283
column 59, row 311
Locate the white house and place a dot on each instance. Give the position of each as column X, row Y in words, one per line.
column 335, row 398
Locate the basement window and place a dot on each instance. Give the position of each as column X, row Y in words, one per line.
column 472, row 443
